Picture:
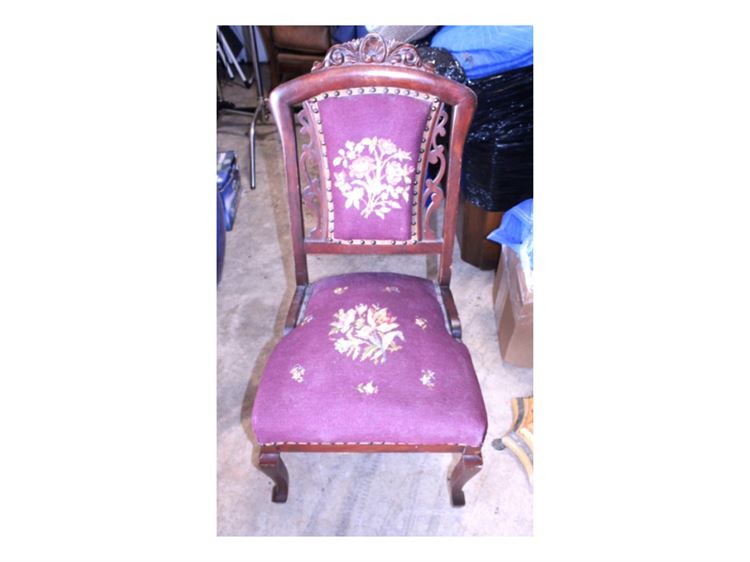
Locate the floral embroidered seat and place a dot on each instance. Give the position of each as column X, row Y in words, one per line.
column 371, row 361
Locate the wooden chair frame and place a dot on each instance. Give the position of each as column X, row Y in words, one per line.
column 373, row 63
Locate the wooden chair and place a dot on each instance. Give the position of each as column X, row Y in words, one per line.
column 372, row 362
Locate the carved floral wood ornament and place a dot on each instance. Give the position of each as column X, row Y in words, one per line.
column 374, row 49
column 308, row 163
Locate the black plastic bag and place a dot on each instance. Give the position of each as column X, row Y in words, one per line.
column 444, row 63
column 498, row 161
column 497, row 170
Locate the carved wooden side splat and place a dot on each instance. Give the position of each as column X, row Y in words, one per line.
column 309, row 165
column 433, row 190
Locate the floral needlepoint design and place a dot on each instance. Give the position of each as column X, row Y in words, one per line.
column 391, row 289
column 421, row 322
column 367, row 388
column 374, row 175
column 428, row 378
column 340, row 290
column 297, row 373
column 306, row 320
column 365, row 332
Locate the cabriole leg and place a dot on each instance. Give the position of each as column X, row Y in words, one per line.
column 271, row 465
column 469, row 465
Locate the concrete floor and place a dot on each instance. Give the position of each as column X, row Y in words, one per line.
column 343, row 494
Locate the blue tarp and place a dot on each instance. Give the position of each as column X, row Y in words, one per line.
column 517, row 231
column 343, row 33
column 486, row 50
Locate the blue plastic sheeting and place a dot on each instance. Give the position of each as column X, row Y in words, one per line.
column 221, row 237
column 486, row 50
column 228, row 184
column 517, row 231
column 344, row 33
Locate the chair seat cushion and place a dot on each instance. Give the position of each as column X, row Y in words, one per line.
column 370, row 361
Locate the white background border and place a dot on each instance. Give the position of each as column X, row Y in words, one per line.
column 107, row 370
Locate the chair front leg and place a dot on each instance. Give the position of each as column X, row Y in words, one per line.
column 469, row 465
column 270, row 463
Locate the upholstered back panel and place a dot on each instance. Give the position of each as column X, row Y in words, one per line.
column 375, row 121
column 373, row 142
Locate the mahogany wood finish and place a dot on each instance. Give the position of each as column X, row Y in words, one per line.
column 469, row 465
column 294, row 308
column 473, row 227
column 372, row 62
column 272, row 465
column 432, row 186
column 452, row 311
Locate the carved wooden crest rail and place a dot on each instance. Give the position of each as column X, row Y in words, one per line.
column 375, row 49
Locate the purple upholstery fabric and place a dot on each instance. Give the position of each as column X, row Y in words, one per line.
column 406, row 381
column 373, row 143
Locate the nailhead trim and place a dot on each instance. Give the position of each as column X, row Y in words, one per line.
column 362, row 241
column 433, row 100
column 326, row 173
column 343, row 443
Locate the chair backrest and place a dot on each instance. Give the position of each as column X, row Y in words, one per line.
column 376, row 118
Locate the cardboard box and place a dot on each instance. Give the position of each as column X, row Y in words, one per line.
column 514, row 311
